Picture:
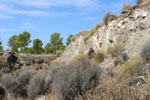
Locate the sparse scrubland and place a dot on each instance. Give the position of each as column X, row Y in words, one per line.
column 32, row 77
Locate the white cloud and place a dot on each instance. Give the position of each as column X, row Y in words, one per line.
column 29, row 26
column 56, row 3
column 3, row 30
column 3, row 16
column 12, row 10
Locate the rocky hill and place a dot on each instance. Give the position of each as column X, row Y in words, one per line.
column 131, row 28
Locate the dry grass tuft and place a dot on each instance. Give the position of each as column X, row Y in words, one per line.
column 141, row 2
column 126, row 6
column 129, row 69
column 80, row 56
column 115, row 50
column 93, row 30
column 99, row 56
column 56, row 62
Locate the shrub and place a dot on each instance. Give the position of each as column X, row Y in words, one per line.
column 110, row 90
column 126, row 6
column 80, row 56
column 106, row 18
column 76, row 78
column 39, row 84
column 11, row 84
column 146, row 1
column 115, row 50
column 55, row 62
column 99, row 56
column 93, row 30
column 129, row 69
column 145, row 52
column 83, row 32
column 24, row 76
column 139, row 2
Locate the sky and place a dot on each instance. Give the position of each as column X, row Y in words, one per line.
column 44, row 17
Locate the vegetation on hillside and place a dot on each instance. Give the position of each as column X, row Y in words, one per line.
column 69, row 39
column 140, row 2
column 126, row 6
column 1, row 48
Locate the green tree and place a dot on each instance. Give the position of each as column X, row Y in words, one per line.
column 27, row 50
column 69, row 40
column 12, row 43
column 56, row 41
column 37, row 46
column 1, row 48
column 49, row 48
column 23, row 39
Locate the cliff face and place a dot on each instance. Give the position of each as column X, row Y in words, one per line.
column 131, row 28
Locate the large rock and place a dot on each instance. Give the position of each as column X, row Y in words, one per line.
column 8, row 60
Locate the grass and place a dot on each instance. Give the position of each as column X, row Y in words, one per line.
column 116, row 49
column 145, row 52
column 83, row 32
column 80, row 56
column 99, row 56
column 110, row 90
column 128, row 69
column 55, row 62
column 93, row 30
column 106, row 18
column 126, row 6
column 141, row 2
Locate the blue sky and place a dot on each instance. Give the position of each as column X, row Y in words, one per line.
column 44, row 17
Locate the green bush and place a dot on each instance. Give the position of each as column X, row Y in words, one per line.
column 76, row 78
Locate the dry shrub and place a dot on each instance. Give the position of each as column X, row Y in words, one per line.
column 129, row 69
column 83, row 32
column 55, row 62
column 106, row 18
column 141, row 2
column 115, row 50
column 93, row 30
column 40, row 84
column 76, row 78
column 110, row 90
column 80, row 57
column 126, row 6
column 99, row 56
column 145, row 52
column 146, row 1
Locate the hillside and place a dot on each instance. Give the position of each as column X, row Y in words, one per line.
column 118, row 70
column 131, row 29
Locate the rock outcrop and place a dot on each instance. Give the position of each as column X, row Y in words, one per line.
column 10, row 61
column 131, row 28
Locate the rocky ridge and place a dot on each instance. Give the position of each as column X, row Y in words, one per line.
column 131, row 28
